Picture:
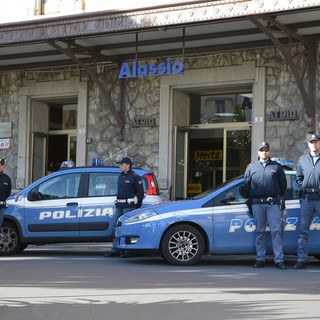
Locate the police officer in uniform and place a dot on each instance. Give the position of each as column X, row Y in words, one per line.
column 130, row 193
column 5, row 190
column 308, row 178
column 266, row 183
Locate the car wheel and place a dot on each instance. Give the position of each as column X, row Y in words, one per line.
column 9, row 240
column 182, row 245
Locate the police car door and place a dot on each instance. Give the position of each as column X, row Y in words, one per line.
column 234, row 229
column 52, row 207
column 96, row 220
column 291, row 216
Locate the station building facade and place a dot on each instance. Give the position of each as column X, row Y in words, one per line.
column 195, row 126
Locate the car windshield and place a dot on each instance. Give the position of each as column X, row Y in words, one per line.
column 207, row 192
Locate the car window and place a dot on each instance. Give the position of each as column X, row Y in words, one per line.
column 293, row 189
column 207, row 192
column 230, row 196
column 58, row 187
column 145, row 185
column 103, row 184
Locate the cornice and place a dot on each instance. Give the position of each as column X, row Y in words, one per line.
column 86, row 24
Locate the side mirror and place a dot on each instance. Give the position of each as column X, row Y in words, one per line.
column 34, row 195
column 229, row 199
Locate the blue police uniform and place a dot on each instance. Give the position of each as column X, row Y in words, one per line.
column 267, row 184
column 308, row 178
column 129, row 197
column 129, row 187
column 130, row 194
column 5, row 191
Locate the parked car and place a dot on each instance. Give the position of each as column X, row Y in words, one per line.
column 70, row 205
column 214, row 222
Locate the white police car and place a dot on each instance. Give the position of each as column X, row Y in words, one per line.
column 70, row 205
column 214, row 222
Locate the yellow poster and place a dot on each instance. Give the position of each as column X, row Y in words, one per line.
column 208, row 155
column 194, row 188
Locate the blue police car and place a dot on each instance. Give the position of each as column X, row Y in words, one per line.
column 70, row 205
column 214, row 222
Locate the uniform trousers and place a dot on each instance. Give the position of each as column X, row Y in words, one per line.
column 307, row 210
column 272, row 214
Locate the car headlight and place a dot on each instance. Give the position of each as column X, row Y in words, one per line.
column 141, row 216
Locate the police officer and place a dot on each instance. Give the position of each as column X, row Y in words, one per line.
column 266, row 182
column 5, row 190
column 130, row 193
column 308, row 178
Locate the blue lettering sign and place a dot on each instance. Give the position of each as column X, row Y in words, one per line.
column 143, row 70
column 125, row 71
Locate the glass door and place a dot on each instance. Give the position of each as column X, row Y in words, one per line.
column 237, row 150
column 39, row 155
column 206, row 157
column 180, row 163
column 72, row 155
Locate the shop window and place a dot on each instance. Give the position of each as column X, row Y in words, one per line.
column 69, row 120
column 221, row 108
column 62, row 117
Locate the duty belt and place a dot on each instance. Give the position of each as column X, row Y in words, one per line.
column 312, row 190
column 269, row 200
column 125, row 200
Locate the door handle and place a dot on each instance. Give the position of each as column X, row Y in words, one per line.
column 69, row 204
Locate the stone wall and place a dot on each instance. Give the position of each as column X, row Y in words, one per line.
column 10, row 85
column 142, row 98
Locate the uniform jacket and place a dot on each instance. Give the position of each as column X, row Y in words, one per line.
column 264, row 182
column 5, row 187
column 129, row 186
column 308, row 174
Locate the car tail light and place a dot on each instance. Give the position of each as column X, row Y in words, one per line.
column 152, row 184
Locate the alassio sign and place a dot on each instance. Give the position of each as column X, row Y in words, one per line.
column 133, row 69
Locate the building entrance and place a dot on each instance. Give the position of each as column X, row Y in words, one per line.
column 54, row 136
column 207, row 157
column 215, row 146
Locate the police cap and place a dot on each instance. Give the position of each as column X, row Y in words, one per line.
column 263, row 145
column 125, row 160
column 313, row 137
